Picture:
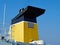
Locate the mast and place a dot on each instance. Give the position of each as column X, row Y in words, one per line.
column 4, row 16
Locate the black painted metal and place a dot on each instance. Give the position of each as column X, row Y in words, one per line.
column 28, row 14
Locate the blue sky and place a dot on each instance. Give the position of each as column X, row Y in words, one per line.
column 48, row 23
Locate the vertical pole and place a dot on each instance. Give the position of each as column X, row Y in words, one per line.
column 4, row 18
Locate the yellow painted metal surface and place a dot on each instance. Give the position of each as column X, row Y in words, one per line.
column 22, row 33
column 18, row 32
column 30, row 34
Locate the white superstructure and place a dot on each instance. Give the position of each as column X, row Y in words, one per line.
column 39, row 42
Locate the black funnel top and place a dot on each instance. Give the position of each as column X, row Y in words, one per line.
column 28, row 14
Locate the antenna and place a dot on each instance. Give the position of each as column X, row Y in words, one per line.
column 4, row 17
